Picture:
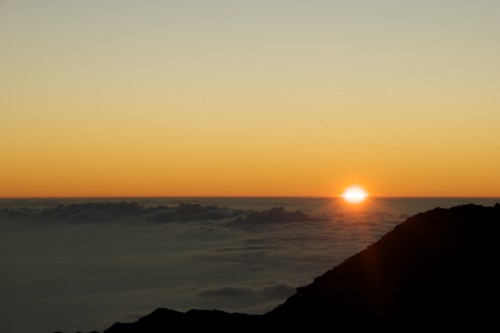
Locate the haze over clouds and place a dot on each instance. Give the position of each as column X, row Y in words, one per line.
column 81, row 265
column 132, row 210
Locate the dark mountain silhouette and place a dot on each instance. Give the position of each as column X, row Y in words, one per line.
column 436, row 270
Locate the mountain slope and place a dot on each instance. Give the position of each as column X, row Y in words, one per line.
column 437, row 269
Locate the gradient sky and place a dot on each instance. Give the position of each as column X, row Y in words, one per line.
column 229, row 98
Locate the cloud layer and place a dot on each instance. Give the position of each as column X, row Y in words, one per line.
column 132, row 210
column 82, row 265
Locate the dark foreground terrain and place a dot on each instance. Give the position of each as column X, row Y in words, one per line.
column 436, row 270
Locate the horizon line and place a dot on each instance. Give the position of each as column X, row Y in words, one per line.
column 252, row 197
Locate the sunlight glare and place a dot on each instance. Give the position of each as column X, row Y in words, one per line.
column 354, row 194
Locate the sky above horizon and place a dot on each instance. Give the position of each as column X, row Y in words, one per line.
column 249, row 98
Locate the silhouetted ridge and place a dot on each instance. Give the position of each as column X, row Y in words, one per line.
column 164, row 320
column 437, row 269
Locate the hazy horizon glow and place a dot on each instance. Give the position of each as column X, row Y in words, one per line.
column 249, row 98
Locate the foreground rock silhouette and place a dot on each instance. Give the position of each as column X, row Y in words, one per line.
column 436, row 270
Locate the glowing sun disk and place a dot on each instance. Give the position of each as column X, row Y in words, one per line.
column 354, row 194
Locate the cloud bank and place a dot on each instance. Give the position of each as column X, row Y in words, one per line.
column 84, row 264
column 182, row 212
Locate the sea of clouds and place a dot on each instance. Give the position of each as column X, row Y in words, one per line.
column 82, row 265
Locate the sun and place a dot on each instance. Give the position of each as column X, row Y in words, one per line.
column 354, row 194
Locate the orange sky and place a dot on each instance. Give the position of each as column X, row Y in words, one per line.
column 260, row 98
